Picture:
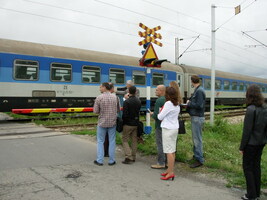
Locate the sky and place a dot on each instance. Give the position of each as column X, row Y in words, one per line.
column 112, row 26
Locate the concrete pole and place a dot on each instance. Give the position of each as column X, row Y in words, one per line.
column 148, row 128
column 212, row 90
column 177, row 51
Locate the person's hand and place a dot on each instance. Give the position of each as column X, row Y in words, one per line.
column 151, row 113
column 126, row 96
column 241, row 152
column 187, row 101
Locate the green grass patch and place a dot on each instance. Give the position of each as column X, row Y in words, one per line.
column 221, row 151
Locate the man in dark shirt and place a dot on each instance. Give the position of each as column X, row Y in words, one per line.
column 130, row 117
column 160, row 92
column 196, row 109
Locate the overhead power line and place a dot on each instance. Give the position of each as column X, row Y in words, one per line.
column 68, row 21
column 234, row 15
column 97, row 27
column 112, row 5
column 254, row 39
column 94, row 15
column 189, row 46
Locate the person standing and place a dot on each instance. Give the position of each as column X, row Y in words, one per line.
column 106, row 105
column 169, row 124
column 196, row 109
column 125, row 91
column 106, row 143
column 160, row 93
column 253, row 141
column 130, row 117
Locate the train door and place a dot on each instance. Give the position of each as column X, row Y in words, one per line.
column 180, row 81
column 190, row 87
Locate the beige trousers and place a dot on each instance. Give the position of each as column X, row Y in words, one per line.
column 129, row 133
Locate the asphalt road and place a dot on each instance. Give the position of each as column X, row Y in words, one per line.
column 55, row 166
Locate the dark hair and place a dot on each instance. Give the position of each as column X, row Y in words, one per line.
column 106, row 85
column 132, row 90
column 111, row 85
column 254, row 96
column 171, row 95
column 195, row 79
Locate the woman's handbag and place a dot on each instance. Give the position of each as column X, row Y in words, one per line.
column 181, row 129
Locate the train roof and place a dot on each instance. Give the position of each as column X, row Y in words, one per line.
column 222, row 74
column 45, row 50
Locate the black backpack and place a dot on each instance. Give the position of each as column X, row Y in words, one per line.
column 140, row 129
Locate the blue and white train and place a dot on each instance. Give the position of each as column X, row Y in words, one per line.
column 46, row 76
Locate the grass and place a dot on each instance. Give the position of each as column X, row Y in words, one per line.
column 221, row 150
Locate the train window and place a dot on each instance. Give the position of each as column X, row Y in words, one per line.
column 157, row 79
column 218, row 84
column 60, row 72
column 91, row 74
column 207, row 83
column 241, row 86
column 26, row 70
column 246, row 86
column 226, row 85
column 139, row 77
column 234, row 85
column 117, row 76
column 262, row 88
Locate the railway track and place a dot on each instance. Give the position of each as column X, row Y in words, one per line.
column 77, row 127
column 227, row 112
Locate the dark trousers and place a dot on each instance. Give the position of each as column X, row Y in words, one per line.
column 252, row 169
column 106, row 146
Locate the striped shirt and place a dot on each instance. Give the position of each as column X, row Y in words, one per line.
column 106, row 105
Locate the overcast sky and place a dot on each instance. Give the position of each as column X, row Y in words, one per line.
column 112, row 26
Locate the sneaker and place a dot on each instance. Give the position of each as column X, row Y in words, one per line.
column 246, row 198
column 110, row 164
column 157, row 166
column 196, row 164
column 97, row 163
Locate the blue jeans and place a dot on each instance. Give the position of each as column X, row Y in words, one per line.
column 101, row 134
column 196, row 126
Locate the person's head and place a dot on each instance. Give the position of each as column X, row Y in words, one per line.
column 195, row 80
column 160, row 90
column 254, row 96
column 104, row 87
column 111, row 87
column 171, row 95
column 175, row 85
column 132, row 90
column 129, row 83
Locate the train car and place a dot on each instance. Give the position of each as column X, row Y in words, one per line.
column 230, row 87
column 46, row 76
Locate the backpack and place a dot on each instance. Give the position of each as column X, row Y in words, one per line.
column 140, row 129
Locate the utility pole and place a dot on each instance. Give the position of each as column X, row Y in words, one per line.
column 177, row 51
column 212, row 94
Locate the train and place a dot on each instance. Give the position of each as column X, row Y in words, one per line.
column 34, row 75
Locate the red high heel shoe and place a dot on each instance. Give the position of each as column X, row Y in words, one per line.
column 164, row 174
column 168, row 177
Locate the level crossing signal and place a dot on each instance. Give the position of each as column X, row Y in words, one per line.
column 150, row 35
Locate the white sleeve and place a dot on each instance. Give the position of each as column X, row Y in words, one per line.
column 166, row 109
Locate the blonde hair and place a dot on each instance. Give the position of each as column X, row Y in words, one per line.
column 175, row 85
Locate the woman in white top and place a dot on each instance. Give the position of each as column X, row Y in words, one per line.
column 169, row 124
